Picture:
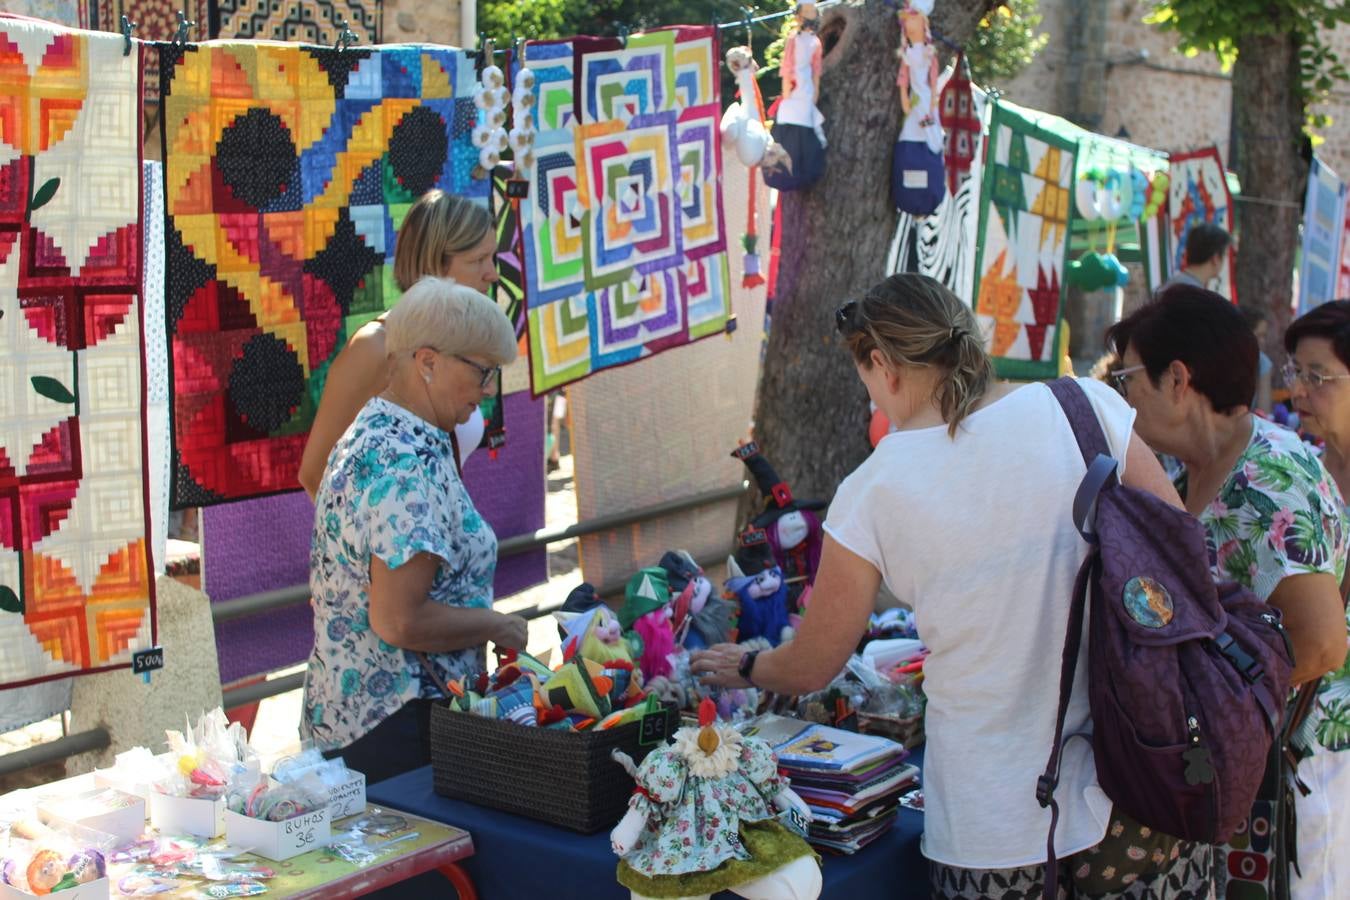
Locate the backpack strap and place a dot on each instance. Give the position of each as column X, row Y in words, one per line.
column 1082, row 418
column 1049, row 780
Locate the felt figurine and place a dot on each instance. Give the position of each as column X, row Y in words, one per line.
column 917, row 184
column 763, row 603
column 791, row 526
column 701, row 618
column 707, row 815
column 744, row 130
column 646, row 611
column 597, row 636
column 581, row 599
column 798, row 123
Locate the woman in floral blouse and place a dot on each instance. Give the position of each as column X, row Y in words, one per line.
column 1318, row 377
column 401, row 564
column 1273, row 514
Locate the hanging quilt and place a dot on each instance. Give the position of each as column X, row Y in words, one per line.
column 1323, row 219
column 288, row 171
column 625, row 242
column 76, row 588
column 1024, row 225
column 942, row 245
column 305, row 21
column 156, row 20
column 1198, row 193
column 1343, row 277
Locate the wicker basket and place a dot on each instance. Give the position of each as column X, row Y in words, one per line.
column 907, row 732
column 563, row 778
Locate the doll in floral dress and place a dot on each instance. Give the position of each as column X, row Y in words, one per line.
column 705, row 817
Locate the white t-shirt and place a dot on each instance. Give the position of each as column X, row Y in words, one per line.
column 976, row 534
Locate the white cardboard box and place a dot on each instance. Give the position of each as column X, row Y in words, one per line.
column 113, row 778
column 348, row 798
column 187, row 815
column 94, row 890
column 108, row 810
column 280, row 840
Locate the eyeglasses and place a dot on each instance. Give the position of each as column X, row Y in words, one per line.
column 487, row 373
column 843, row 317
column 1311, row 379
column 1120, row 378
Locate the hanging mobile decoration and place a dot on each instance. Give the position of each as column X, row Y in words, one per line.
column 917, row 184
column 521, row 138
column 743, row 131
column 797, row 120
column 490, row 134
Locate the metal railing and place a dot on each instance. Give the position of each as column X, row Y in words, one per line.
column 98, row 738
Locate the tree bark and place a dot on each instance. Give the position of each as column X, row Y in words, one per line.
column 1273, row 170
column 811, row 419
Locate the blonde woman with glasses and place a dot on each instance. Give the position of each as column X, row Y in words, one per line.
column 964, row 512
column 442, row 235
column 401, row 564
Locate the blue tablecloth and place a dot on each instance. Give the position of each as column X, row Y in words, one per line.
column 518, row 859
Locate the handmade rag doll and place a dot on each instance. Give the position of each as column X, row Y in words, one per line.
column 797, row 120
column 791, row 526
column 701, row 618
column 705, row 817
column 917, row 183
column 743, row 128
column 763, row 600
column 647, row 613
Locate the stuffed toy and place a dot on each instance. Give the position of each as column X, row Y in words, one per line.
column 917, row 184
column 646, row 612
column 581, row 599
column 701, row 617
column 798, row 123
column 743, row 128
column 708, row 815
column 791, row 526
column 763, row 601
column 597, row 636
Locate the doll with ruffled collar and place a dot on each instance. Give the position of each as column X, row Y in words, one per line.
column 790, row 525
column 708, row 815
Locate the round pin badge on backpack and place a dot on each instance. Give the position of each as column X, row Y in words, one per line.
column 1148, row 602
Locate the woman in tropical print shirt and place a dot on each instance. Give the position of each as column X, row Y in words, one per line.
column 401, row 563
column 1318, row 378
column 1274, row 519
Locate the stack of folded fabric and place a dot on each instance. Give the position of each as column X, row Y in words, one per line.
column 852, row 782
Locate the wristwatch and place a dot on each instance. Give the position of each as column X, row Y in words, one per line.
column 747, row 666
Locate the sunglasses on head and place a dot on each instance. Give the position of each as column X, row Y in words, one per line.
column 843, row 318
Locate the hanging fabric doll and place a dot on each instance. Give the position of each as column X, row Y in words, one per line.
column 917, row 185
column 797, row 121
column 744, row 131
column 646, row 613
column 791, row 526
column 702, row 617
column 705, row 817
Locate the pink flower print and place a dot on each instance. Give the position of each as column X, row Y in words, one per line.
column 1117, row 829
column 1227, row 550
column 1158, row 857
column 1109, row 872
column 1218, row 509
column 1083, row 871
column 1279, row 524
column 1135, row 853
column 1145, row 831
column 683, row 826
column 1129, row 878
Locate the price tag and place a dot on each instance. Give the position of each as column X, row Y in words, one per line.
column 797, row 822
column 745, row 451
column 143, row 662
column 517, row 189
column 653, row 729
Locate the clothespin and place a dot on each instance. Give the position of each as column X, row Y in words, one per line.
column 180, row 36
column 623, row 35
column 484, row 56
column 346, row 37
column 127, row 27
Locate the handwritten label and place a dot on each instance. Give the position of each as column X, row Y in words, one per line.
column 347, row 799
column 517, row 189
column 300, row 824
column 147, row 660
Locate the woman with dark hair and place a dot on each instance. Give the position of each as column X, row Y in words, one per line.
column 1272, row 513
column 1318, row 376
column 985, row 551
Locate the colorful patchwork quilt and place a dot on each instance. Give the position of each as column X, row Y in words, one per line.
column 76, row 587
column 1024, row 228
column 156, row 20
column 288, row 171
column 625, row 242
column 1198, row 193
column 306, row 21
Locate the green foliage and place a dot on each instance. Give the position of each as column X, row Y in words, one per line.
column 544, row 19
column 1213, row 26
column 1005, row 42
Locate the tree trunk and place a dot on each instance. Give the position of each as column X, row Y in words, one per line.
column 1274, row 173
column 811, row 418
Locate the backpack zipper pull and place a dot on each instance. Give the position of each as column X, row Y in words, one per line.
column 1277, row 623
column 1199, row 767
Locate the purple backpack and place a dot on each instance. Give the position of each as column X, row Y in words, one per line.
column 1187, row 679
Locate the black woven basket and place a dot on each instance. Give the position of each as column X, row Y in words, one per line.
column 564, row 778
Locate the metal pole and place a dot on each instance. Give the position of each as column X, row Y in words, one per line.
column 54, row 751
column 252, row 693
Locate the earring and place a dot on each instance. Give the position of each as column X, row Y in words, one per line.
column 426, row 376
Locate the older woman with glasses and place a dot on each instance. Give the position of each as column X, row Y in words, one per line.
column 964, row 512
column 1318, row 376
column 402, row 564
column 1272, row 512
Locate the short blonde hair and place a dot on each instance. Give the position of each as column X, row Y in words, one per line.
column 450, row 318
column 915, row 320
column 438, row 226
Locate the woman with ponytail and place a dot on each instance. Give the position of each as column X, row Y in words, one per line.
column 964, row 512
